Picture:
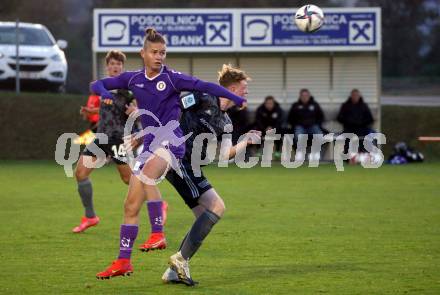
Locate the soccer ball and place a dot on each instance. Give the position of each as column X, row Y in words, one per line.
column 309, row 18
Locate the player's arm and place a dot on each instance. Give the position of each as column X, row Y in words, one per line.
column 253, row 136
column 102, row 87
column 90, row 110
column 183, row 82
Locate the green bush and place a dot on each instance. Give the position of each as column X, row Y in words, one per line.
column 407, row 123
column 30, row 124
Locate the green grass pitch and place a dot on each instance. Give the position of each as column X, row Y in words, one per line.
column 285, row 231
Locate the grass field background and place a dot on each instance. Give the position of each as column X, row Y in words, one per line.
column 286, row 231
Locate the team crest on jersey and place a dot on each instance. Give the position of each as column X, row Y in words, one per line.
column 161, row 86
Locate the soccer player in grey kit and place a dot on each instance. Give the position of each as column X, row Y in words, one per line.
column 203, row 114
column 157, row 90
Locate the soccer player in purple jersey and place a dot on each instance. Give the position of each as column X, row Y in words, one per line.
column 157, row 90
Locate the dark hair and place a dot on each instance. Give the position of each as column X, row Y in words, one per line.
column 304, row 90
column 153, row 36
column 116, row 55
column 269, row 97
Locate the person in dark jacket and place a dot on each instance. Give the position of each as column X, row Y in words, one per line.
column 355, row 115
column 269, row 115
column 306, row 116
column 240, row 122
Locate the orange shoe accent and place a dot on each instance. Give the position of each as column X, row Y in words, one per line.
column 119, row 267
column 156, row 241
column 85, row 224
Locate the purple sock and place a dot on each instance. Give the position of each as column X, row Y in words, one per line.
column 156, row 219
column 128, row 236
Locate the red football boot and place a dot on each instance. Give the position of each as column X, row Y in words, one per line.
column 119, row 267
column 85, row 224
column 156, row 241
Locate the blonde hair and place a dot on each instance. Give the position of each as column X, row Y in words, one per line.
column 230, row 75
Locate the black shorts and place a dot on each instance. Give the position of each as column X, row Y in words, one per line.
column 190, row 187
column 115, row 150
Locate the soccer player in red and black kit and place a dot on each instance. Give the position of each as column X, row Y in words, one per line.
column 206, row 115
column 112, row 119
column 157, row 90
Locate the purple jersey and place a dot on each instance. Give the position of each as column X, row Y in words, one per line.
column 160, row 95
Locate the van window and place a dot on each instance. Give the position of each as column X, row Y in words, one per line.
column 27, row 36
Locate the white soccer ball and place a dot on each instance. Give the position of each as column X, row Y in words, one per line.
column 309, row 18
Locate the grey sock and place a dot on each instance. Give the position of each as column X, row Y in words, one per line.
column 198, row 232
column 183, row 241
column 86, row 193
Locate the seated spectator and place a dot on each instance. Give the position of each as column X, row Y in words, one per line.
column 269, row 115
column 355, row 115
column 240, row 122
column 305, row 116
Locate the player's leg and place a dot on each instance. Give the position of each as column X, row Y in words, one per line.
column 157, row 239
column 119, row 157
column 128, row 231
column 85, row 191
column 155, row 168
column 189, row 192
column 214, row 210
column 198, row 210
column 208, row 210
column 124, row 172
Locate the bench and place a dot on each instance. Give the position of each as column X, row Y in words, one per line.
column 425, row 139
column 331, row 124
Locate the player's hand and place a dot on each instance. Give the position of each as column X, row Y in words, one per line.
column 107, row 98
column 253, row 136
column 131, row 109
column 131, row 143
column 243, row 106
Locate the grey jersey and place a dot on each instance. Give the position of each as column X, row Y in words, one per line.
column 112, row 118
column 202, row 114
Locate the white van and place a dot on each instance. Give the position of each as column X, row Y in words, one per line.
column 42, row 60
